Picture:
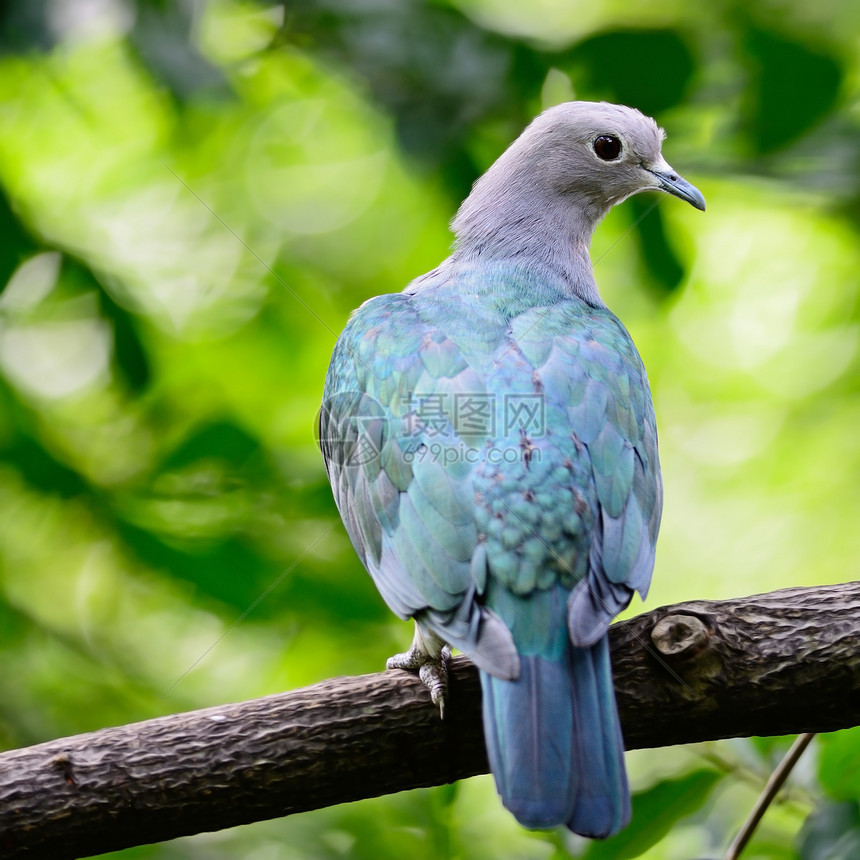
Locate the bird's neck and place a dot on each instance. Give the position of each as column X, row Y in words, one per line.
column 516, row 222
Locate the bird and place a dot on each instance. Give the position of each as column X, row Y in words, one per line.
column 491, row 444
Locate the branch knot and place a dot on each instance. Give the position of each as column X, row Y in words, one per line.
column 680, row 636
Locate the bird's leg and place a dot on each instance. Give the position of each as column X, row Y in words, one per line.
column 429, row 655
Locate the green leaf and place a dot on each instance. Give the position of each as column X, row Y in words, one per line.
column 16, row 244
column 655, row 811
column 647, row 68
column 42, row 470
column 20, row 445
column 832, row 832
column 218, row 440
column 794, row 86
column 228, row 570
column 839, row 764
column 128, row 350
column 658, row 255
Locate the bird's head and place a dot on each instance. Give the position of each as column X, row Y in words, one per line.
column 600, row 153
column 539, row 203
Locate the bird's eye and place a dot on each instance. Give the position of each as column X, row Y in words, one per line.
column 607, row 147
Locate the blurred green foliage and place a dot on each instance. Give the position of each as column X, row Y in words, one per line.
column 194, row 195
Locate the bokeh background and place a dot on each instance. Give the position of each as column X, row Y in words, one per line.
column 193, row 197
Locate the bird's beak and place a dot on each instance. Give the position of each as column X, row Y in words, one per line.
column 669, row 181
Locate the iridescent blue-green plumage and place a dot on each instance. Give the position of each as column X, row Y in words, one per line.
column 549, row 524
column 491, row 444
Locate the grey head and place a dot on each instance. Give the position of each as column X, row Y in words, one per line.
column 540, row 202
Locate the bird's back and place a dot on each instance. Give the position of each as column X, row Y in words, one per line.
column 503, row 429
column 514, row 426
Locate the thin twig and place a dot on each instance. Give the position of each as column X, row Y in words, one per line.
column 774, row 784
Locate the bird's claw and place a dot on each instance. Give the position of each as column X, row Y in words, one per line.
column 432, row 670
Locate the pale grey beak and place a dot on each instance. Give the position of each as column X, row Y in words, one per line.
column 672, row 183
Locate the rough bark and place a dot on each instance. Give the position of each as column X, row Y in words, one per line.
column 779, row 663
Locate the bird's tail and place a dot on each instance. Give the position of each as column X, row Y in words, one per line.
column 554, row 742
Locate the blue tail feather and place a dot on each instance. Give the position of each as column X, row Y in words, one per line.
column 602, row 804
column 554, row 742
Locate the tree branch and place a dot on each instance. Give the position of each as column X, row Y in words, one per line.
column 772, row 664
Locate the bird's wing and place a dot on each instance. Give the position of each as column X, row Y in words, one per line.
column 404, row 493
column 611, row 415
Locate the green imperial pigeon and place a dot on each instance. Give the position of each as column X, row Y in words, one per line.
column 491, row 444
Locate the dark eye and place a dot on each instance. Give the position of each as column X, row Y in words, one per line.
column 607, row 147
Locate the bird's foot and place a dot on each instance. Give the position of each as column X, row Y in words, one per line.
column 429, row 656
